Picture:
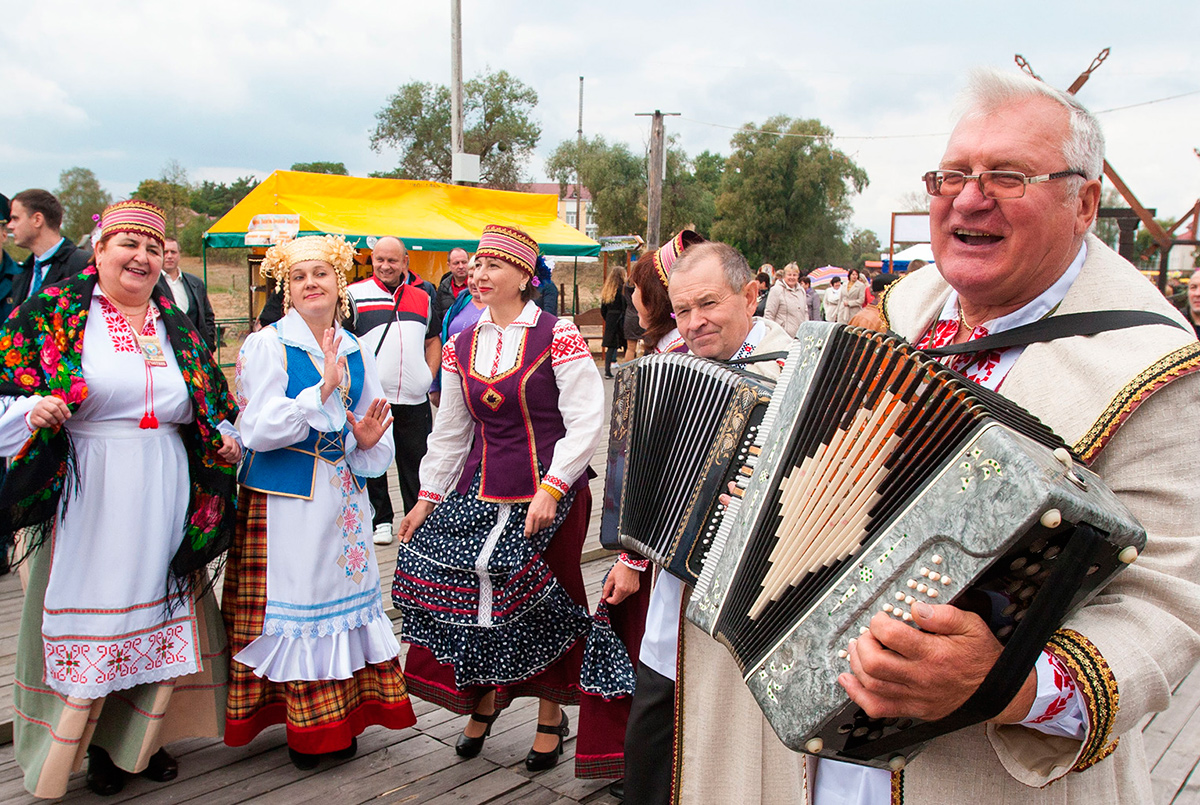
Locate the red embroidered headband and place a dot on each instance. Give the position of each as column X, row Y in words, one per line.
column 669, row 252
column 510, row 245
column 136, row 216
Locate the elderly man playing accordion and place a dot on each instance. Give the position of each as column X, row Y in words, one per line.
column 1014, row 200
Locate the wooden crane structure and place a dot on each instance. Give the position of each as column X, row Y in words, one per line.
column 1128, row 220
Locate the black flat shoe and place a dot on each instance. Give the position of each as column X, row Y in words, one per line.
column 103, row 776
column 540, row 761
column 347, row 753
column 162, row 768
column 471, row 747
column 302, row 760
column 617, row 789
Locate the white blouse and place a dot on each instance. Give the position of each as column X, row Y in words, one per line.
column 580, row 401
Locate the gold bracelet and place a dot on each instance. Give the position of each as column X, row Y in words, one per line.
column 551, row 490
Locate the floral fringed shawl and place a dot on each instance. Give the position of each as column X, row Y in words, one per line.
column 41, row 352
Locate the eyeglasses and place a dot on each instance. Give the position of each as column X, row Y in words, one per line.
column 992, row 184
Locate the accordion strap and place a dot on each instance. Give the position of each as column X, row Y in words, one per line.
column 1043, row 618
column 1055, row 327
column 763, row 358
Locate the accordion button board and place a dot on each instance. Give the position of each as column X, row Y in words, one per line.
column 875, row 479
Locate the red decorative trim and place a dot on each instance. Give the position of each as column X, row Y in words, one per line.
column 449, row 359
column 567, row 344
column 432, row 497
column 558, row 483
column 637, row 564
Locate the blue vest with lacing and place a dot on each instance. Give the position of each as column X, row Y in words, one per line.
column 291, row 471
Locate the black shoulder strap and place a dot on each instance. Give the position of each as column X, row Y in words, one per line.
column 1055, row 327
column 763, row 358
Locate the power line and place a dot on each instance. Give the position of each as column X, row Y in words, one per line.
column 908, row 136
column 819, row 136
column 1147, row 103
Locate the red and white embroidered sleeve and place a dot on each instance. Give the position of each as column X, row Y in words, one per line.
column 558, row 483
column 432, row 497
column 1058, row 708
column 568, row 345
column 637, row 564
column 449, row 358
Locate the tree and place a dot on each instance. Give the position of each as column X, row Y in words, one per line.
column 172, row 192
column 1107, row 229
column 687, row 200
column 787, row 198
column 81, row 196
column 614, row 176
column 214, row 199
column 496, row 125
column 864, row 245
column 334, row 168
column 914, row 201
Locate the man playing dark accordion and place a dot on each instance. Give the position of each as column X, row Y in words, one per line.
column 1014, row 200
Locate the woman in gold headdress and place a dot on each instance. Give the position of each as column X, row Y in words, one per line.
column 312, row 646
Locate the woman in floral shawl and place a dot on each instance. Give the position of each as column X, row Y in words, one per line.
column 120, row 425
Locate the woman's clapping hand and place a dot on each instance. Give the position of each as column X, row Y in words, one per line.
column 370, row 429
column 334, row 369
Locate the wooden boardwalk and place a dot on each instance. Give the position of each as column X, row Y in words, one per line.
column 418, row 765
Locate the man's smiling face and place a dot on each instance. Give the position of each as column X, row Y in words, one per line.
column 1004, row 253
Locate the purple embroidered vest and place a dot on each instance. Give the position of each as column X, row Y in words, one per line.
column 517, row 421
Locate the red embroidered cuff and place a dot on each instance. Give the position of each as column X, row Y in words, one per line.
column 1098, row 687
column 557, row 483
column 637, row 564
column 432, row 497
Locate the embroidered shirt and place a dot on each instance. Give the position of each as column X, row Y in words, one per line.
column 580, row 400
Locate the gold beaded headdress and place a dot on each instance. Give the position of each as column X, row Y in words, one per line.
column 332, row 249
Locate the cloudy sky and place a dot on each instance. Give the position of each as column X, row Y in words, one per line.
column 236, row 87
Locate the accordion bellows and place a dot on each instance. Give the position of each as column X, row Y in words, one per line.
column 875, row 477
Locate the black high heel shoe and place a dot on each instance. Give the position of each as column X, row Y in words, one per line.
column 540, row 761
column 162, row 768
column 470, row 747
column 347, row 753
column 103, row 776
column 303, row 760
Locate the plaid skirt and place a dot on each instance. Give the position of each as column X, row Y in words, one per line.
column 321, row 716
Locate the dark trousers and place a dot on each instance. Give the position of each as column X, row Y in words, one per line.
column 650, row 740
column 411, row 425
column 610, row 356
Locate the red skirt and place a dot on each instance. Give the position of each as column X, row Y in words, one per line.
column 599, row 749
column 321, row 716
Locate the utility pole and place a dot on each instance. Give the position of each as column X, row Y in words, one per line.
column 456, row 83
column 655, row 168
column 579, row 223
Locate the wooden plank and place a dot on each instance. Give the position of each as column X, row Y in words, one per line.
column 1178, row 763
column 483, row 789
column 1162, row 730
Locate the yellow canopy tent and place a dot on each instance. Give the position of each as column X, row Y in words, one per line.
column 429, row 217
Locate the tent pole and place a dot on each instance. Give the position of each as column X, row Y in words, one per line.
column 575, row 291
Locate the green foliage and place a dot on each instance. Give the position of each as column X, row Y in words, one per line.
column 496, row 125
column 214, row 199
column 687, row 200
column 191, row 236
column 785, row 198
column 172, row 192
column 334, row 168
column 81, row 196
column 615, row 177
column 1143, row 241
column 864, row 245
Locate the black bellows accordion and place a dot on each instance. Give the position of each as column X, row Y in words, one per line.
column 868, row 477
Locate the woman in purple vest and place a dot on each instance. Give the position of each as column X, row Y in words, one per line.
column 488, row 572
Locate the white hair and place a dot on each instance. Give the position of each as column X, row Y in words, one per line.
column 989, row 89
